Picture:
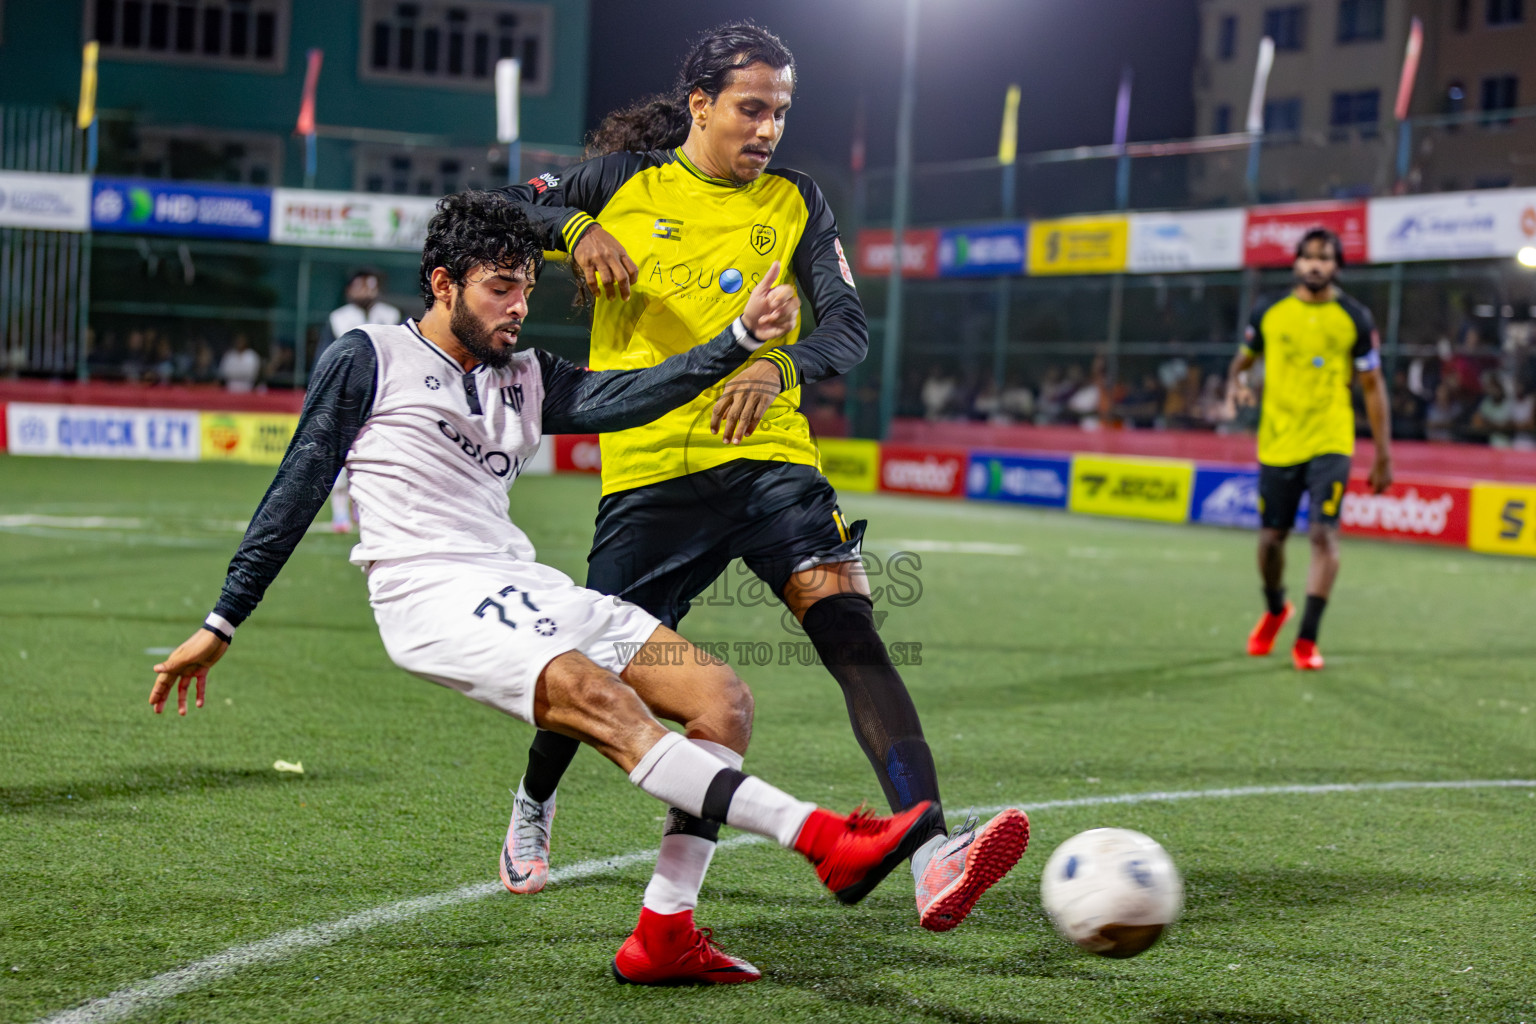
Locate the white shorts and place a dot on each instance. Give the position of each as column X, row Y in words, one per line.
column 486, row 625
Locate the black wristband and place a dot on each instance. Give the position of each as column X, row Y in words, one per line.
column 226, row 637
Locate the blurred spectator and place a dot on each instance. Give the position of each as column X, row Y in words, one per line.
column 363, row 306
column 13, row 359
column 1524, row 417
column 987, row 404
column 938, row 391
column 162, row 367
column 1444, row 413
column 201, row 370
column 1494, row 419
column 1084, row 401
column 1407, row 408
column 1142, row 406
column 133, row 357
column 241, row 366
column 1017, row 401
column 279, row 368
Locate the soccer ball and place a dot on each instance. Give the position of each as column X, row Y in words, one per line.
column 1111, row 891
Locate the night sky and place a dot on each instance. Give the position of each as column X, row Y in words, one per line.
column 1066, row 55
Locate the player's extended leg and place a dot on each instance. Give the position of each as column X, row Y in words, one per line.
column 1321, row 572
column 580, row 699
column 951, row 871
column 1276, row 610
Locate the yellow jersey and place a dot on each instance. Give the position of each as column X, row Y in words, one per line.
column 701, row 244
column 1311, row 351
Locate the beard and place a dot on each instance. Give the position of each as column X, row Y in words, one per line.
column 478, row 337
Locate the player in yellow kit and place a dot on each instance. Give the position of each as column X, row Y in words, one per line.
column 1315, row 342
column 671, row 224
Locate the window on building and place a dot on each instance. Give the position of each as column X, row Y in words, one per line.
column 194, row 154
column 455, row 43
column 435, row 172
column 1355, row 111
column 1226, row 37
column 1361, row 21
column 1221, row 122
column 223, row 33
column 1506, row 12
column 1500, row 92
column 1282, row 117
column 1287, row 26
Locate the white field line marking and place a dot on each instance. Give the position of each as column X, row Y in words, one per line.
column 125, row 1002
column 951, row 547
column 73, row 522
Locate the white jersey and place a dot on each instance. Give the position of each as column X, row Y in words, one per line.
column 430, row 469
column 352, row 316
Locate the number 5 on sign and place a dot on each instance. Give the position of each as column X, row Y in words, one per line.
column 1503, row 520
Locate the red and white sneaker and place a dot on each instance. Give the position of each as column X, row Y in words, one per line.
column 854, row 854
column 667, row 949
column 524, row 864
column 1262, row 640
column 1305, row 656
column 968, row 864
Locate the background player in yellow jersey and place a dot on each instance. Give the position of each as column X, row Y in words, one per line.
column 671, row 224
column 1315, row 341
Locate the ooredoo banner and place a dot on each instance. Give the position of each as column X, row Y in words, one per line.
column 1451, row 225
column 919, row 252
column 102, row 432
column 909, row 469
column 1271, row 234
column 578, row 453
column 1026, row 479
column 53, row 202
column 1423, row 512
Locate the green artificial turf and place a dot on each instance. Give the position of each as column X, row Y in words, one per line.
column 1061, row 657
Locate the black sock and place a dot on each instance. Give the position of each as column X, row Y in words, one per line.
column 884, row 719
column 1275, row 600
column 1312, row 617
column 548, row 758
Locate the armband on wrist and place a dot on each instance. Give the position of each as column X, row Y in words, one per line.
column 744, row 336
column 220, row 627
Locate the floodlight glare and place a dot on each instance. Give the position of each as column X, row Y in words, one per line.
column 1527, row 256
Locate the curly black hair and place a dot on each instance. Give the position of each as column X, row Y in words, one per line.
column 1322, row 235
column 474, row 229
column 662, row 121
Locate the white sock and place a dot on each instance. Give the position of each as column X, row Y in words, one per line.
column 679, row 773
column 683, row 859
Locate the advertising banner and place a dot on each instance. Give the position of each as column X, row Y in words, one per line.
column 180, row 209
column 1132, row 487
column 350, row 220
column 1026, row 479
column 1078, row 245
column 53, row 202
column 909, row 469
column 1452, row 225
column 1271, row 234
column 102, row 433
column 919, row 252
column 1503, row 519
column 578, row 453
column 257, row 438
column 1426, row 513
column 992, row 250
column 1225, row 497
column 1202, row 240
column 850, row 463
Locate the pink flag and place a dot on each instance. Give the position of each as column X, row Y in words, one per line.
column 1410, row 68
column 306, row 125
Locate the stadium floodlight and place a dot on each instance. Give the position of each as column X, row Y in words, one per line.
column 1527, row 256
column 509, row 74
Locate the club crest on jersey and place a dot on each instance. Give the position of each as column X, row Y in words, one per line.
column 544, row 182
column 763, row 238
column 432, row 383
column 513, row 396
column 669, row 228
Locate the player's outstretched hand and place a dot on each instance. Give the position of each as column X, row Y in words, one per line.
column 604, row 263
column 191, row 661
column 771, row 311
column 1381, row 474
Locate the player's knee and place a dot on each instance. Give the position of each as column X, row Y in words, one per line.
column 731, row 709
column 1325, row 540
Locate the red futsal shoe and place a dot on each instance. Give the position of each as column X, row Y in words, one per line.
column 1305, row 656
column 854, row 854
column 666, row 949
column 967, row 865
column 1262, row 640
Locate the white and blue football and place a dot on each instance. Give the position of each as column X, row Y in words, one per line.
column 1111, row 891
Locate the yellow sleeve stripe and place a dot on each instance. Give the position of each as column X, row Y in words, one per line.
column 571, row 231
column 789, row 377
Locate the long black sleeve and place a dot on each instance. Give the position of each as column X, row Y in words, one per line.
column 579, row 401
column 339, row 399
column 841, row 338
column 562, row 209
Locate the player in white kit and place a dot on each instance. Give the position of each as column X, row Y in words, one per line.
column 433, row 421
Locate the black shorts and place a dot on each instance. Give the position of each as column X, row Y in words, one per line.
column 662, row 545
column 1324, row 477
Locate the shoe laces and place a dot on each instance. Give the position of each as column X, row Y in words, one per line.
column 969, row 828
column 864, row 819
column 532, row 829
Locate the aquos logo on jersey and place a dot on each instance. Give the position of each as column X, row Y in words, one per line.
column 695, row 280
column 498, row 463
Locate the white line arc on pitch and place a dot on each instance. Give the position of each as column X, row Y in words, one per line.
column 125, row 1002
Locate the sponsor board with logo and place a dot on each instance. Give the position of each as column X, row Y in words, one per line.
column 102, row 432
column 1450, row 225
column 1078, row 245
column 1272, row 232
column 350, row 220
column 256, row 438
column 578, row 453
column 911, row 469
column 51, row 202
column 989, row 250
column 850, row 463
column 144, row 207
column 1027, row 479
column 1229, row 496
column 1199, row 240
column 919, row 252
column 1503, row 519
column 1409, row 510
column 1132, row 487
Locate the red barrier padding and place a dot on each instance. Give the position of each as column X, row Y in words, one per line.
column 577, row 453
column 210, row 397
column 923, row 469
column 4, row 444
